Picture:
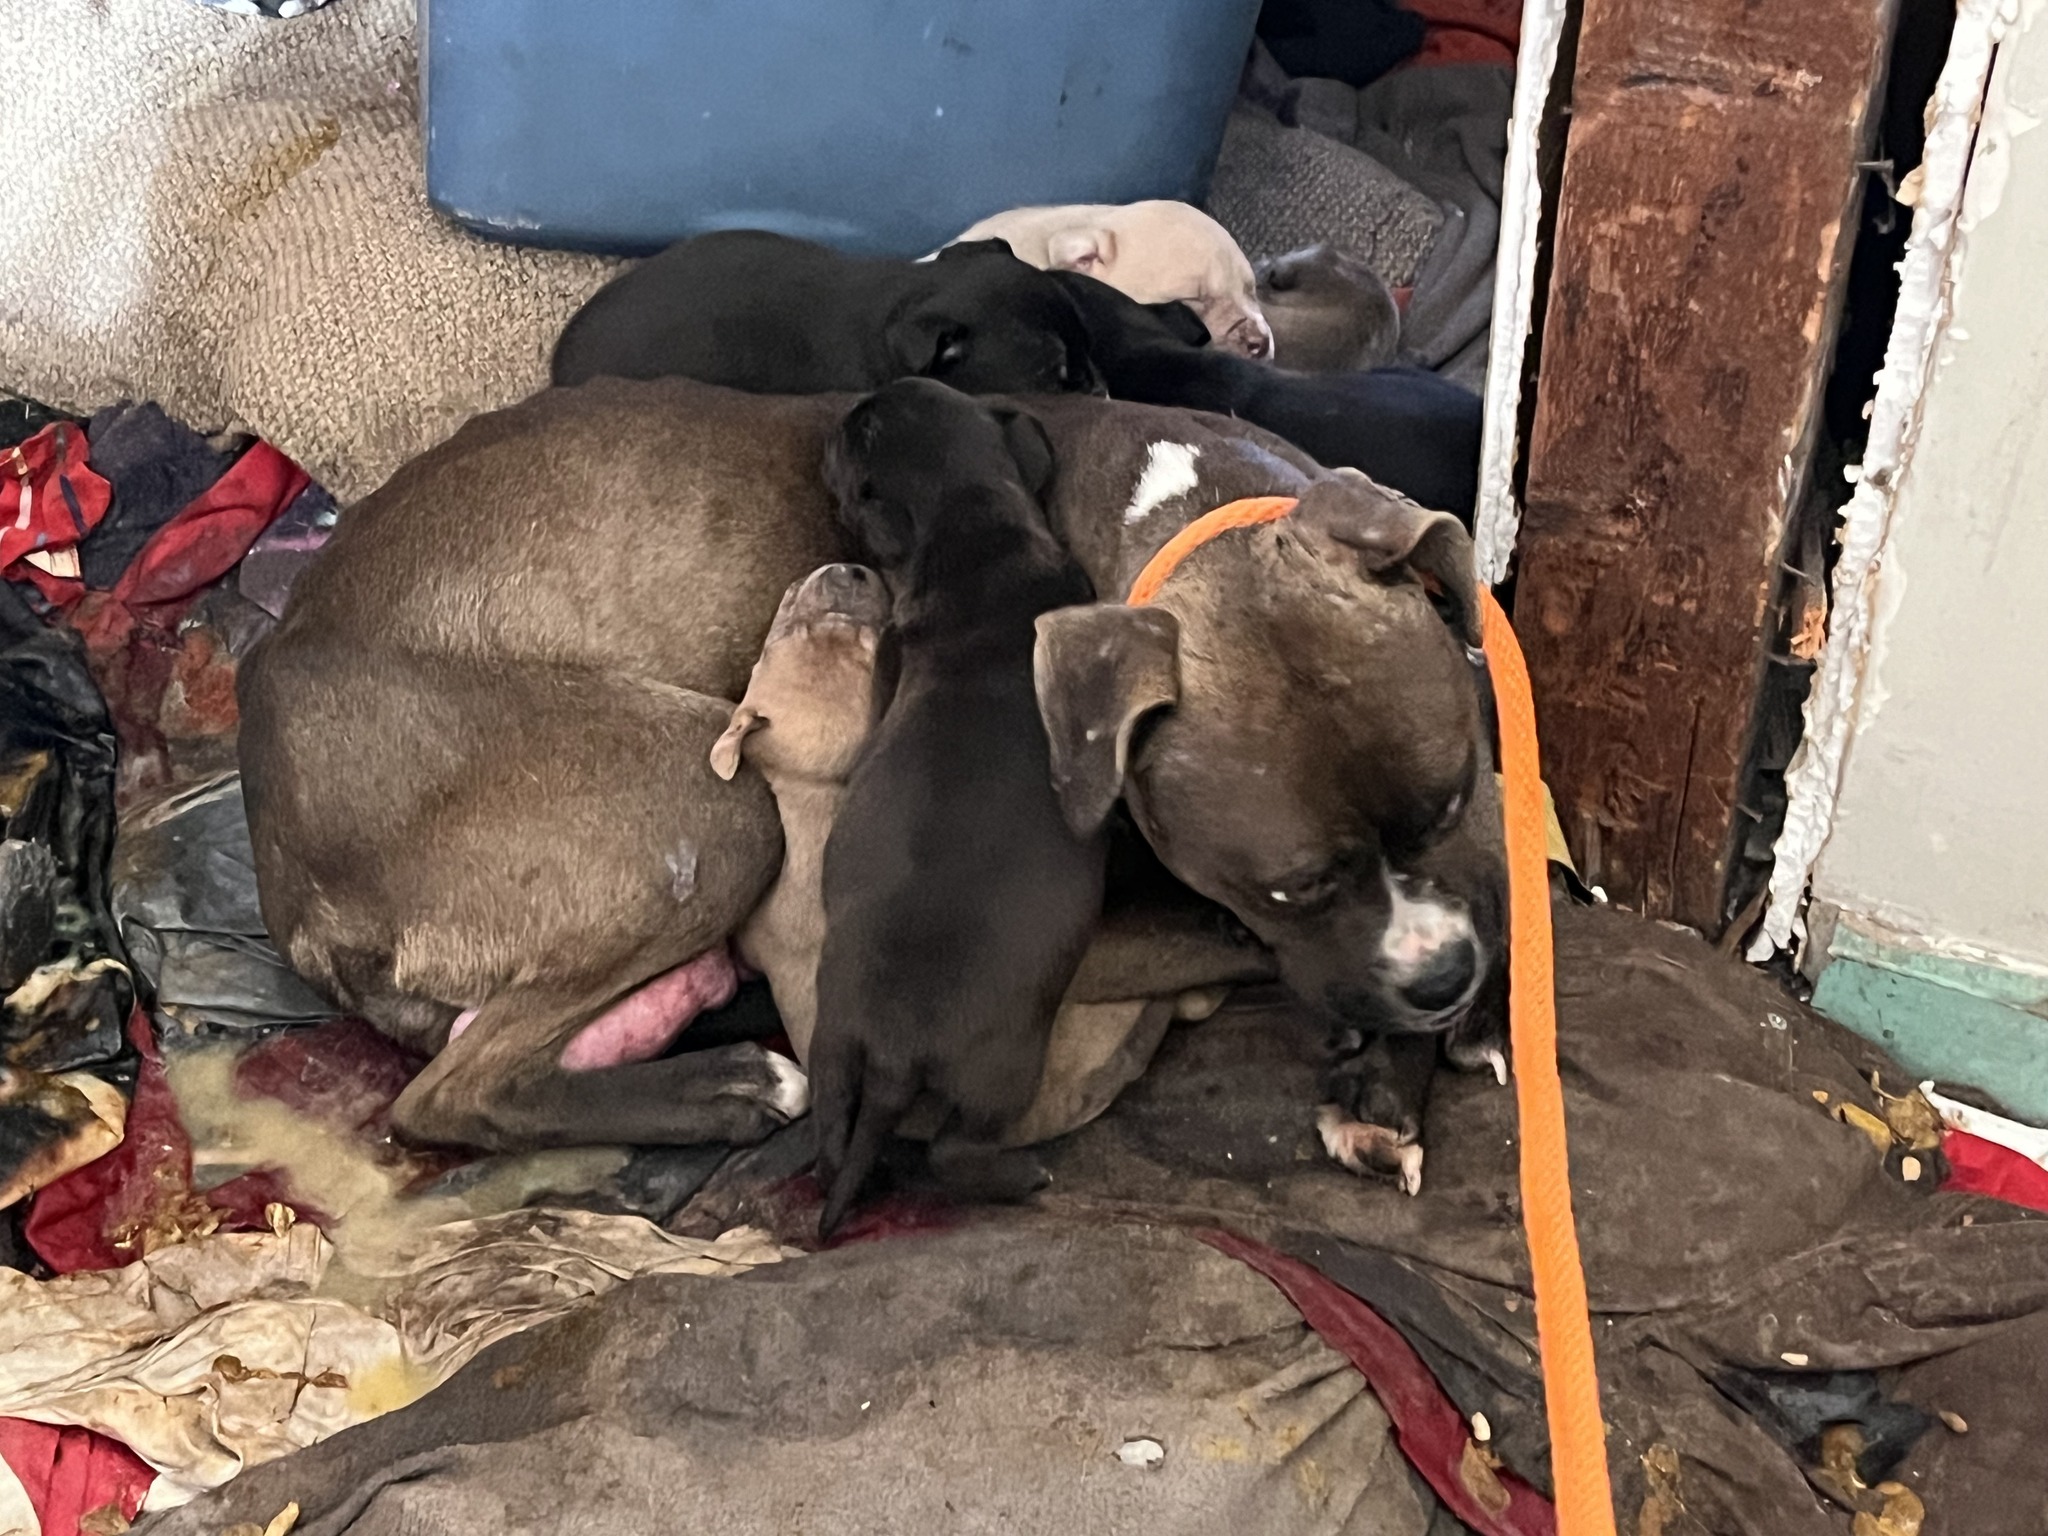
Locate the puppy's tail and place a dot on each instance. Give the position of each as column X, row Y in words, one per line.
column 858, row 1111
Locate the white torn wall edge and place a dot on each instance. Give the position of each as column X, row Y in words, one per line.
column 1813, row 780
column 1497, row 519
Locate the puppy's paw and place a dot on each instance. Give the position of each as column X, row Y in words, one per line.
column 1371, row 1149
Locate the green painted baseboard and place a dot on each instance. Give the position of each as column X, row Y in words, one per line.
column 1956, row 1021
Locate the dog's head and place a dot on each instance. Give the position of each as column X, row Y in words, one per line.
column 1165, row 252
column 1330, row 312
column 986, row 323
column 808, row 703
column 903, row 457
column 1295, row 726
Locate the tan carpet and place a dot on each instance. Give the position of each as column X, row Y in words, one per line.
column 227, row 215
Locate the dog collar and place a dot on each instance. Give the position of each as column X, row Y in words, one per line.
column 1232, row 514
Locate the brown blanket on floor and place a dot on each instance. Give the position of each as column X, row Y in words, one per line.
column 1737, row 1239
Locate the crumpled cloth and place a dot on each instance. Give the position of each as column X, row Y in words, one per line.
column 50, row 499
column 224, row 1352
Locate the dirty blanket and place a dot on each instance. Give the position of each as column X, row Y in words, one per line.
column 996, row 1372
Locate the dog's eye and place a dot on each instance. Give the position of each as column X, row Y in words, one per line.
column 952, row 349
column 1303, row 891
column 1447, row 818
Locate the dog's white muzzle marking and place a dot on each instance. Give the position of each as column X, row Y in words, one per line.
column 1417, row 930
column 1169, row 472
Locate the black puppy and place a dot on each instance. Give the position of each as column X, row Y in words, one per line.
column 1408, row 429
column 763, row 312
column 957, row 901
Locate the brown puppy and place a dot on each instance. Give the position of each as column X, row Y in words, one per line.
column 801, row 724
column 1330, row 312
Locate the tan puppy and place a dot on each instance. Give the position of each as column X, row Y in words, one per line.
column 1156, row 252
column 806, row 713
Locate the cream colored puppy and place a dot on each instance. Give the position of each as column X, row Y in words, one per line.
column 1155, row 252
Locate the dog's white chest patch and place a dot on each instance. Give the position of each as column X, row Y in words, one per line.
column 1169, row 472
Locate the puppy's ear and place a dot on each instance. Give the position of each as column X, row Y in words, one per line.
column 926, row 342
column 1100, row 669
column 1081, row 250
column 1030, row 447
column 1185, row 324
column 961, row 248
column 1349, row 516
column 725, row 752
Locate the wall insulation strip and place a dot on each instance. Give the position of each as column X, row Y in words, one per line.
column 1514, row 280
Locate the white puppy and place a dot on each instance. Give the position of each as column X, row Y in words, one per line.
column 1155, row 252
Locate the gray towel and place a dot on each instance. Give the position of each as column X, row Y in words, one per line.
column 1278, row 189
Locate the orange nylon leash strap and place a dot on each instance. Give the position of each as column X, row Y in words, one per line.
column 1564, row 1330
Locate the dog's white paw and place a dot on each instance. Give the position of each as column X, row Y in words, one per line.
column 791, row 1095
column 1410, row 1160
column 1366, row 1148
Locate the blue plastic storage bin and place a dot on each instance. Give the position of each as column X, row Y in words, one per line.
column 880, row 126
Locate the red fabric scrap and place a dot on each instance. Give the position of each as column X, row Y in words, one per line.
column 69, row 1473
column 1467, row 31
column 1432, row 1433
column 1980, row 1167
column 50, row 498
column 137, row 656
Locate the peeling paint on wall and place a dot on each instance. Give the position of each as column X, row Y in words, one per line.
column 1943, row 193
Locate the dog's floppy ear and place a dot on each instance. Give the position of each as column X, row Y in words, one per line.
column 983, row 247
column 1081, row 249
column 725, row 752
column 1185, row 324
column 1100, row 669
column 1387, row 534
column 925, row 341
column 1024, row 434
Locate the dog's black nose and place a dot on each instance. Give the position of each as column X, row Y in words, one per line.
column 1445, row 980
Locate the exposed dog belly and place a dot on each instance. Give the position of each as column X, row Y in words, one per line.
column 646, row 1021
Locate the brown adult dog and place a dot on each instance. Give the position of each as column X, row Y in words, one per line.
column 476, row 747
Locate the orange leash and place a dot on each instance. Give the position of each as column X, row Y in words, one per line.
column 1564, row 1329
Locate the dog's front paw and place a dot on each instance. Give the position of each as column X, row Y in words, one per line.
column 1371, row 1149
column 771, row 1080
column 1479, row 1046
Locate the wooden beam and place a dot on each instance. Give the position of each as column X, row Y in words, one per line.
column 1703, row 234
